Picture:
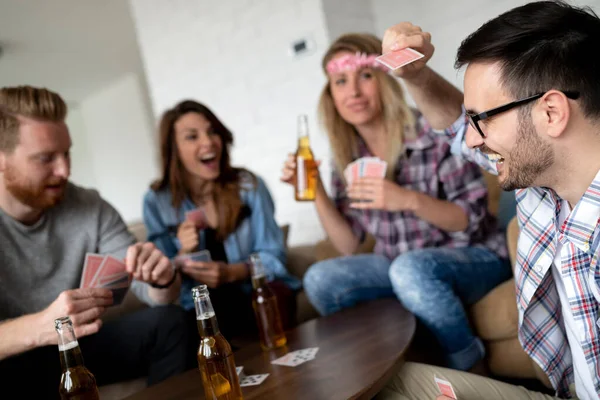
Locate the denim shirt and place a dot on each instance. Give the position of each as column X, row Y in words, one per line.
column 258, row 233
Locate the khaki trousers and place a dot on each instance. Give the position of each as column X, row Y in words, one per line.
column 416, row 382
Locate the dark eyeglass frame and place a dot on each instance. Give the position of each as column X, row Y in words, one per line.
column 475, row 118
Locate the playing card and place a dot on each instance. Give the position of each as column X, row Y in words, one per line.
column 400, row 58
column 115, row 281
column 119, row 295
column 374, row 168
column 199, row 256
column 302, row 356
column 197, row 216
column 90, row 267
column 295, row 358
column 445, row 388
column 240, row 371
column 284, row 360
column 253, row 380
column 110, row 266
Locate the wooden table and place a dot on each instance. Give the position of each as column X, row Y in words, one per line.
column 359, row 350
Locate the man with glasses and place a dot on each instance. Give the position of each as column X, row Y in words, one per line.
column 532, row 100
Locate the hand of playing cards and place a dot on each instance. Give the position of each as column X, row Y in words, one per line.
column 103, row 271
column 198, row 217
column 199, row 256
column 366, row 166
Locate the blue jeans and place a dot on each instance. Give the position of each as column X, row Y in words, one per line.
column 434, row 284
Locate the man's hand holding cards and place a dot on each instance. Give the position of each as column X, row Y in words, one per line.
column 104, row 271
column 406, row 50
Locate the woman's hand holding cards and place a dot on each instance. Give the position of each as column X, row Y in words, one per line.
column 187, row 233
column 376, row 193
column 211, row 273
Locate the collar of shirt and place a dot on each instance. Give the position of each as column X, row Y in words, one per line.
column 583, row 220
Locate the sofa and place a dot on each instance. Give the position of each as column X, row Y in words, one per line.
column 494, row 317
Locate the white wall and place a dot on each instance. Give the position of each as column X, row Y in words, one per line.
column 82, row 170
column 233, row 55
column 344, row 16
column 119, row 157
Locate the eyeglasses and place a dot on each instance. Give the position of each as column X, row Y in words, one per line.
column 475, row 118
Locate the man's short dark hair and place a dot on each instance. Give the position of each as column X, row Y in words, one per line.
column 541, row 46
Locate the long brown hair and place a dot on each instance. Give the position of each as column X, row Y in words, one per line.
column 397, row 116
column 226, row 193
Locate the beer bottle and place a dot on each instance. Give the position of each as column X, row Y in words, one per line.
column 215, row 358
column 76, row 381
column 265, row 307
column 306, row 168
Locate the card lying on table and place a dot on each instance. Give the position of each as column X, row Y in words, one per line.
column 253, row 380
column 295, row 358
column 105, row 271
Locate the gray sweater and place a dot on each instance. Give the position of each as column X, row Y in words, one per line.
column 40, row 261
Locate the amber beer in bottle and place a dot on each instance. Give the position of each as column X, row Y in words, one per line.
column 215, row 358
column 76, row 381
column 306, row 168
column 265, row 307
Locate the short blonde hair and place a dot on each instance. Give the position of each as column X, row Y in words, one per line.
column 397, row 115
column 28, row 102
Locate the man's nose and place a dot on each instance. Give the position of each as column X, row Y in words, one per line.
column 473, row 138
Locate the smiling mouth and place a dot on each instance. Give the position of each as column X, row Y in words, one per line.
column 208, row 158
column 497, row 158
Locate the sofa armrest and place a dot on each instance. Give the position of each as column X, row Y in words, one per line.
column 299, row 258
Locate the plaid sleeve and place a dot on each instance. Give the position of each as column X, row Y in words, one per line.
column 464, row 185
column 342, row 203
column 456, row 132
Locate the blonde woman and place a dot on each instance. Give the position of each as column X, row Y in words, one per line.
column 437, row 247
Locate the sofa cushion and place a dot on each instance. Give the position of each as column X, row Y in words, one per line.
column 495, row 316
column 506, row 358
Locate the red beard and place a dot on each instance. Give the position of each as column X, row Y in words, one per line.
column 37, row 197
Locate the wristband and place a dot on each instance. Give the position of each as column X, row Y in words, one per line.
column 166, row 285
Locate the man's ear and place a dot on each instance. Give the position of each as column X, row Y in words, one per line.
column 2, row 161
column 553, row 113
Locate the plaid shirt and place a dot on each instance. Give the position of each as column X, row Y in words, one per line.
column 541, row 326
column 429, row 168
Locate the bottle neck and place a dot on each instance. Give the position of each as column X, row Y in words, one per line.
column 303, row 128
column 303, row 141
column 68, row 347
column 208, row 327
column 70, row 356
column 259, row 282
column 205, row 316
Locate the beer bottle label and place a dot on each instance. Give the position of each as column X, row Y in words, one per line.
column 301, row 186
